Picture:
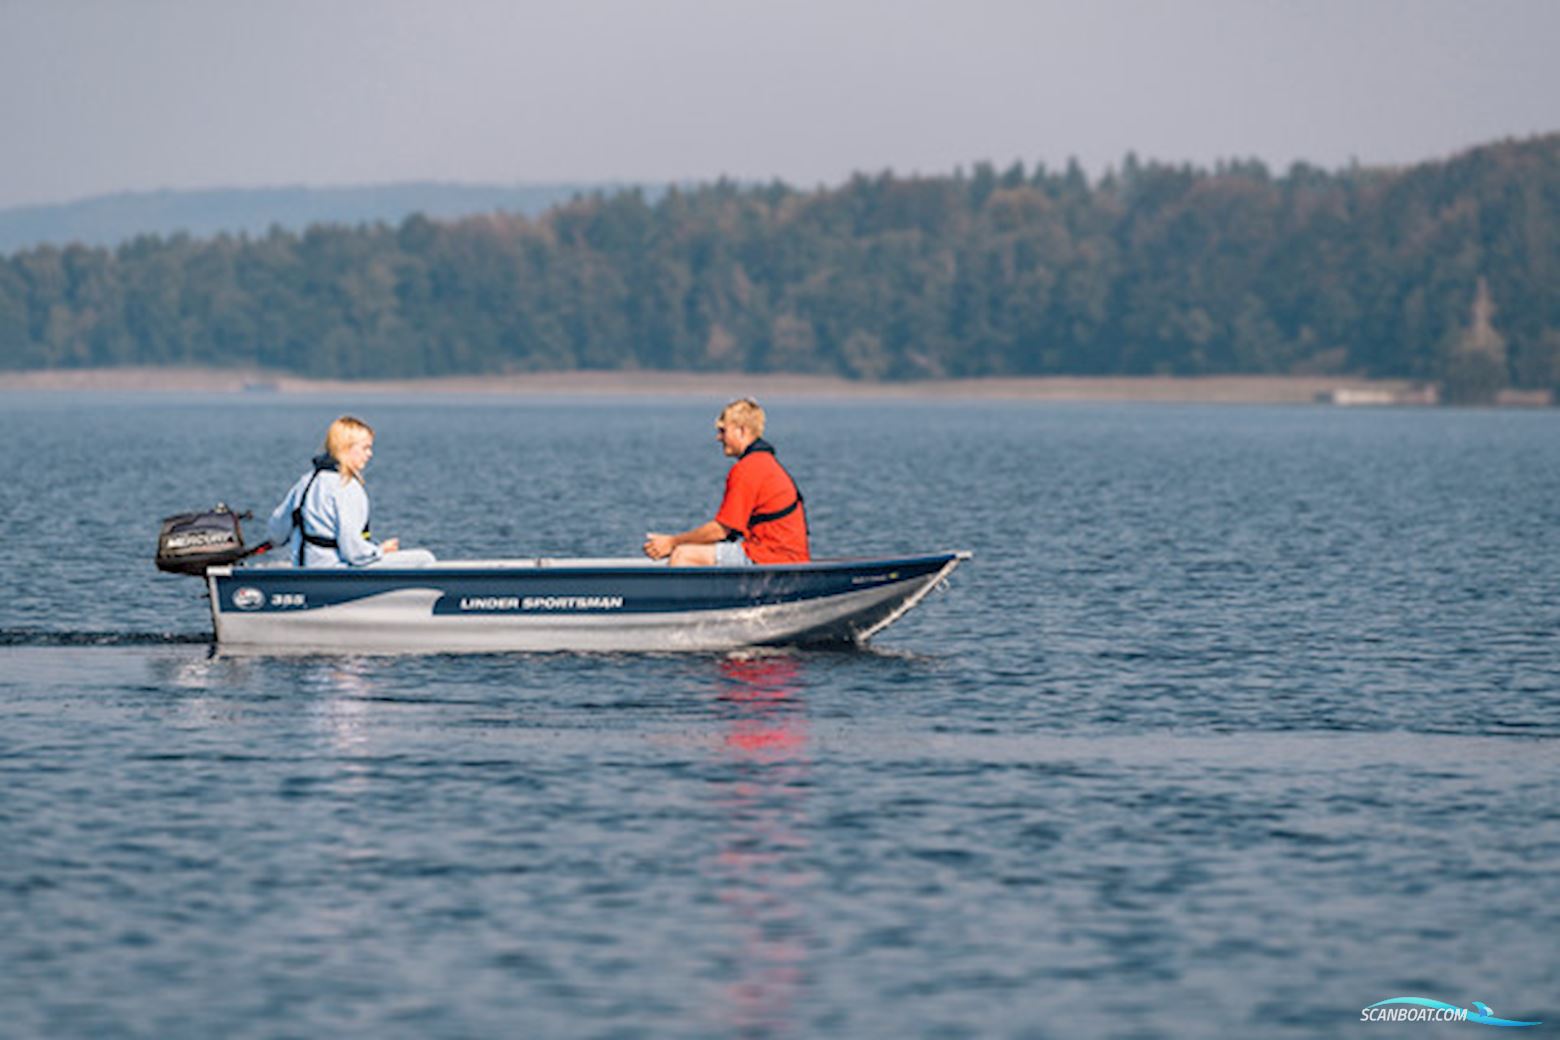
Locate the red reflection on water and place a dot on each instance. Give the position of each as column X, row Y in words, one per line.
column 771, row 726
column 759, row 859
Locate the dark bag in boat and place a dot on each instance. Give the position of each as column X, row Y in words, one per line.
column 191, row 542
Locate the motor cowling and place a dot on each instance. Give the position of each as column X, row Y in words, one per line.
column 191, row 542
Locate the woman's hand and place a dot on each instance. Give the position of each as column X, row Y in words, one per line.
column 390, row 545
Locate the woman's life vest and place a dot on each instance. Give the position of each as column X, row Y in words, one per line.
column 322, row 464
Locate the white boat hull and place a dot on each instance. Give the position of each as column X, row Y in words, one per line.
column 547, row 605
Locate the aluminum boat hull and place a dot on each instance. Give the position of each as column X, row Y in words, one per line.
column 567, row 605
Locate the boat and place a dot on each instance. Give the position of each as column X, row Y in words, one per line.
column 548, row 604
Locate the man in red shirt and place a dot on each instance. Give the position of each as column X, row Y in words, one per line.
column 762, row 505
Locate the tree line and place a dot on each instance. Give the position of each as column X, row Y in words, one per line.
column 1151, row 268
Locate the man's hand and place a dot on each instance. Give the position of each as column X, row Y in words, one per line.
column 390, row 545
column 658, row 546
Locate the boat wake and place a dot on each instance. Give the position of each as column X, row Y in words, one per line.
column 43, row 637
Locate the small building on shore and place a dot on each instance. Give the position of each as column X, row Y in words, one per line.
column 1427, row 394
column 1367, row 396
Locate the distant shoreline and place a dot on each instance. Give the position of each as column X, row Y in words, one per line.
column 1169, row 389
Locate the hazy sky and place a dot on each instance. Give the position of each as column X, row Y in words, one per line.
column 100, row 96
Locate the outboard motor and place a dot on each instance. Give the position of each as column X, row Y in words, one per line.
column 191, row 542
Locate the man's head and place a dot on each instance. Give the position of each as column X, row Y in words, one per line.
column 740, row 424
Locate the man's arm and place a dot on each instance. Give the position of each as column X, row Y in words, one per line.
column 660, row 546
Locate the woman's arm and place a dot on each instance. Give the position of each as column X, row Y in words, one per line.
column 351, row 518
column 278, row 529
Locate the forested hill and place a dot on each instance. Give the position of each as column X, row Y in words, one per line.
column 1432, row 271
column 108, row 220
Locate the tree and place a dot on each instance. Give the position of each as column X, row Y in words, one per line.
column 1155, row 268
column 1537, row 365
column 1476, row 367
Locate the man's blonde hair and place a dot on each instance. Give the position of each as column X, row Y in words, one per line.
column 745, row 412
column 342, row 435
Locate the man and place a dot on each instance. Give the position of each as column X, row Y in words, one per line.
column 762, row 505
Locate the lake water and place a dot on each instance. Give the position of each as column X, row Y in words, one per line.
column 1241, row 719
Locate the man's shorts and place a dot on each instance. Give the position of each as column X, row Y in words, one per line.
column 730, row 554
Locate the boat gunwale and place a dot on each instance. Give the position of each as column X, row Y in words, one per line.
column 587, row 566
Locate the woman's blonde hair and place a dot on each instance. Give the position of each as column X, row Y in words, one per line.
column 342, row 435
column 745, row 412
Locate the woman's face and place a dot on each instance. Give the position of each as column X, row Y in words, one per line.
column 358, row 453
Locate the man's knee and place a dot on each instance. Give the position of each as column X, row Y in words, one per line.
column 693, row 556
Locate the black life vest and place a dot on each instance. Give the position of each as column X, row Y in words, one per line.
column 764, row 518
column 322, row 463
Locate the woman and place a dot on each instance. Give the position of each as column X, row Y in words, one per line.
column 324, row 519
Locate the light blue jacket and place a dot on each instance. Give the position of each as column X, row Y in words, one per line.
column 333, row 508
